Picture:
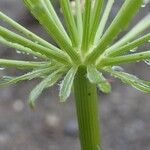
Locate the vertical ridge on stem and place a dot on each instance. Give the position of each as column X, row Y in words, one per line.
column 87, row 111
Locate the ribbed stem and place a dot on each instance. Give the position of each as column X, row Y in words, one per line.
column 87, row 111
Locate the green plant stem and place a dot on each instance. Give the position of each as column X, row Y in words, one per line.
column 87, row 111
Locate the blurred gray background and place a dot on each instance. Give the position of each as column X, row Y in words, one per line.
column 125, row 113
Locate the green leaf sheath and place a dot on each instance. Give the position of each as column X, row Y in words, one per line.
column 79, row 20
column 128, row 10
column 131, row 80
column 24, row 31
column 103, row 21
column 93, row 75
column 47, row 82
column 20, row 64
column 66, row 85
column 87, row 111
column 12, row 37
column 95, row 18
column 96, row 77
column 129, row 46
column 135, row 31
column 104, row 86
column 21, row 48
column 39, row 10
column 86, row 26
column 27, row 76
column 56, row 19
column 124, row 59
column 70, row 22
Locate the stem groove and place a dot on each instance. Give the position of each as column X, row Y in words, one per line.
column 87, row 111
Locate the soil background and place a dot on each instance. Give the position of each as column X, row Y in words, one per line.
column 125, row 113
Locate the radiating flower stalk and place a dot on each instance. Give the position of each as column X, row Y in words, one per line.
column 84, row 52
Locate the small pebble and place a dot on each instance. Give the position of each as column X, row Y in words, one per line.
column 4, row 138
column 18, row 105
column 71, row 128
column 52, row 120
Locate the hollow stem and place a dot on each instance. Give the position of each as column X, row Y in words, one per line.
column 87, row 111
